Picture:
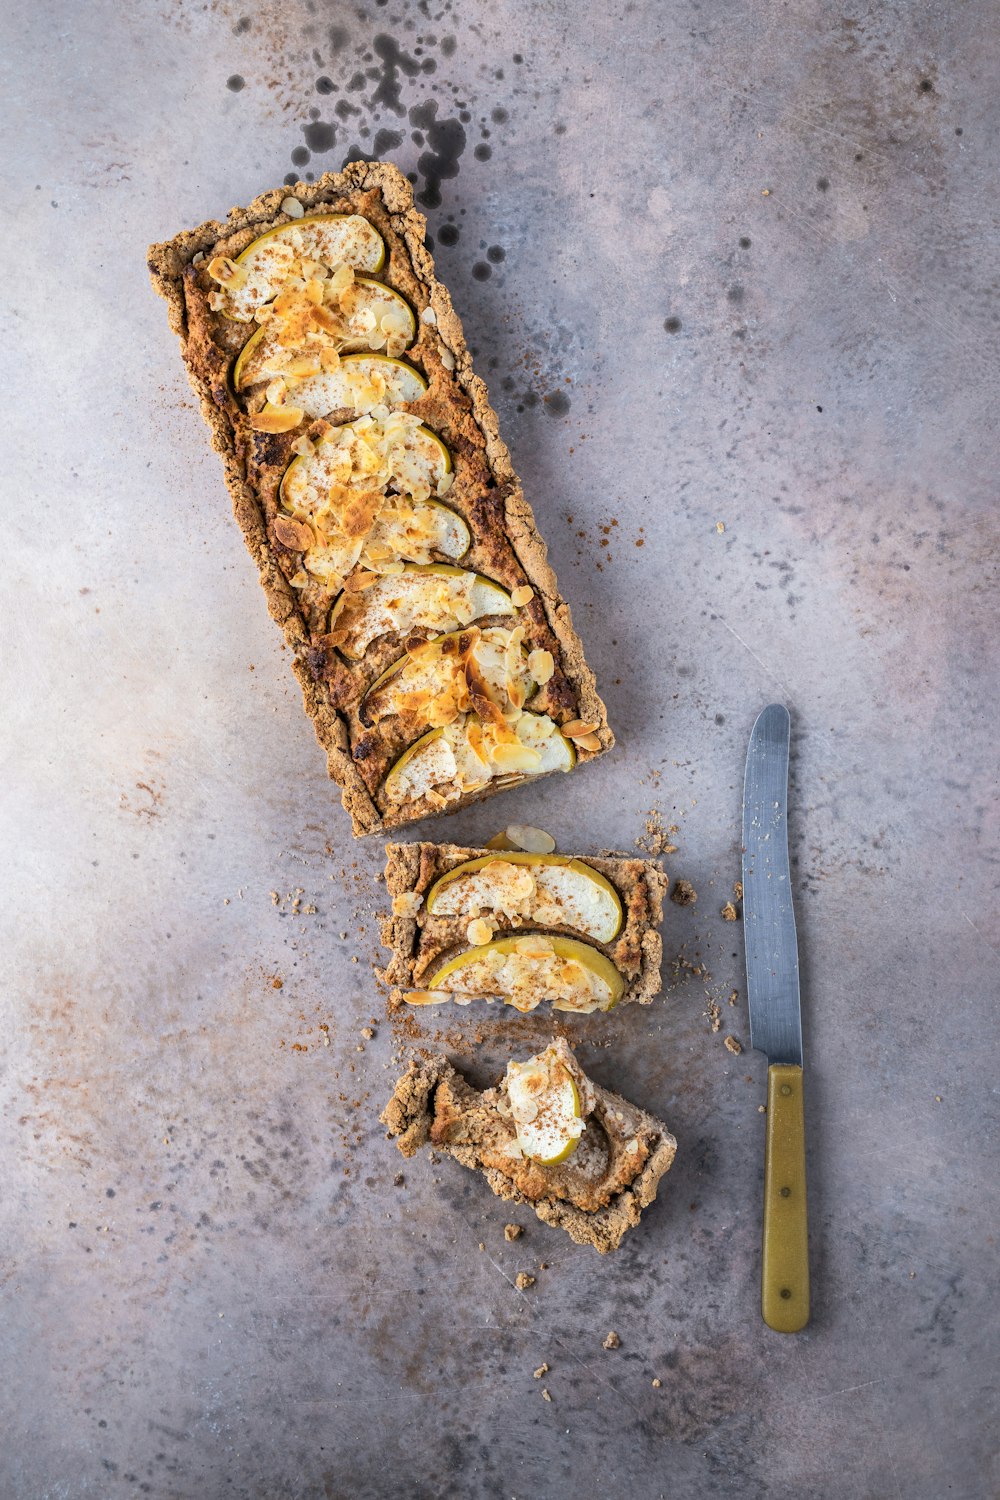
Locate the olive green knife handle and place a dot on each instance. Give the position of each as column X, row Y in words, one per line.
column 784, row 1297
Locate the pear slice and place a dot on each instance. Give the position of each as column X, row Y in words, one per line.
column 559, row 891
column 428, row 667
column 268, row 261
column 546, row 1107
column 263, row 356
column 443, row 760
column 415, row 457
column 529, row 968
column 359, row 383
column 424, row 596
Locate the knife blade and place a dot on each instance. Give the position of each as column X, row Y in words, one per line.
column 776, row 1019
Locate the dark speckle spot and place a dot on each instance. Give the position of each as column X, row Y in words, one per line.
column 109, row 1192
column 958, row 130
column 290, row 178
column 446, row 139
column 448, row 45
column 356, row 83
column 823, row 183
column 557, row 404
column 300, row 155
column 481, row 271
column 926, row 86
column 496, row 253
column 819, row 408
column 745, row 242
column 235, row 82
column 448, row 234
column 672, row 325
column 242, row 26
column 339, row 37
column 720, row 718
column 324, row 85
column 482, row 153
column 560, row 130
column 518, row 57
column 319, row 136
column 394, row 61
column 343, row 109
column 499, row 116
column 735, row 293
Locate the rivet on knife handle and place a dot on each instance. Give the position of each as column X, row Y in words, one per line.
column 785, row 1262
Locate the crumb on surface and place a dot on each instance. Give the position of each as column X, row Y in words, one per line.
column 399, row 1180
column 732, row 1045
column 481, row 1245
column 738, row 889
column 368, row 1032
column 657, row 1382
column 522, row 1281
column 612, row 1341
column 729, row 912
column 545, row 1394
column 683, row 893
column 512, row 1231
column 543, row 1369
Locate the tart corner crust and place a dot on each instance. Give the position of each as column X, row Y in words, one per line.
column 168, row 264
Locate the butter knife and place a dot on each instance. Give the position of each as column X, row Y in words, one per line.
column 775, row 1019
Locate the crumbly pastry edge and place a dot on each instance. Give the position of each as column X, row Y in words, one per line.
column 166, row 262
column 409, row 1112
column 399, row 933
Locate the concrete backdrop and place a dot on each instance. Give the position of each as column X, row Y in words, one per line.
column 731, row 273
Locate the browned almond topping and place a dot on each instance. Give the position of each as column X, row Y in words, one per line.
column 521, row 596
column 577, row 727
column 296, row 535
column 277, row 419
column 359, row 581
column 587, row 741
column 226, row 272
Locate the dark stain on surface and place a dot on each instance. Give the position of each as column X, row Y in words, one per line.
column 299, row 156
column 319, row 136
column 557, row 404
column 235, row 82
column 394, row 61
column 496, row 254
column 242, row 26
column 325, row 85
column 446, row 139
column 481, row 271
column 735, row 293
column 449, row 234
column 672, row 325
column 386, row 140
column 482, row 153
column 823, row 184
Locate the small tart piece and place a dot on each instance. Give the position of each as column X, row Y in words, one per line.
column 368, row 312
column 545, row 890
column 268, row 261
column 423, row 596
column 549, row 1098
column 431, row 670
column 527, row 969
column 359, row 383
column 463, row 756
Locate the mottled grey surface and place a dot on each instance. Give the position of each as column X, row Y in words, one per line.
column 724, row 267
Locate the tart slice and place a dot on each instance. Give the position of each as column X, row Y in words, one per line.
column 586, row 1160
column 377, row 499
column 576, row 931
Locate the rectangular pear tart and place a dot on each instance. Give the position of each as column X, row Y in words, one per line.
column 437, row 659
column 467, row 924
column 584, row 1159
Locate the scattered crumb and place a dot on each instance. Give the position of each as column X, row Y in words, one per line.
column 656, row 839
column 729, row 912
column 277, row 984
column 522, row 1281
column 734, row 995
column 733, row 1046
column 762, row 1109
column 542, row 1370
column 657, row 1382
column 720, row 527
column 512, row 1231
column 543, row 1265
column 937, row 1098
column 912, row 1275
column 612, row 1341
column 545, row 1394
column 738, row 889
column 481, row 1245
column 683, row 893
column 399, row 1180
column 714, row 1013
column 368, row 1032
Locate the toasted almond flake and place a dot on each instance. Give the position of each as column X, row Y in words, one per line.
column 263, row 313
column 276, row 392
column 297, row 535
column 198, row 259
column 501, row 842
column 395, row 345
column 292, row 207
column 541, row 666
column 425, row 997
column 303, row 366
column 303, row 447
column 277, row 419
column 359, row 581
column 341, row 277
column 479, row 931
column 226, row 272
column 575, row 727
column 447, row 359
column 531, row 840
column 588, row 741
column 329, row 359
column 522, row 595
column 428, row 315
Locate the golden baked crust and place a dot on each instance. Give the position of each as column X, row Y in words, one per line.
column 486, row 491
column 418, row 939
column 596, row 1201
